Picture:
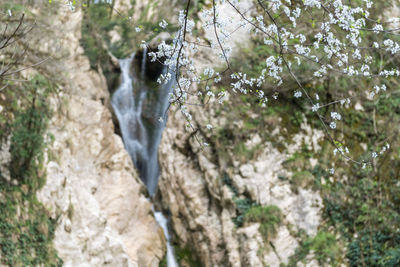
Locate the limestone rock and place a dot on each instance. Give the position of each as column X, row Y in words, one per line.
column 284, row 246
column 202, row 206
column 92, row 188
column 250, row 240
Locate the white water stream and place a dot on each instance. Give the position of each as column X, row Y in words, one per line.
column 138, row 107
column 162, row 221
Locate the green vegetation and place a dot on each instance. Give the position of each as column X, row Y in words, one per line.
column 243, row 205
column 299, row 161
column 286, row 113
column 324, row 247
column 28, row 130
column 364, row 207
column 303, row 179
column 360, row 205
column 248, row 211
column 230, row 139
column 96, row 25
column 269, row 217
column 100, row 23
column 184, row 256
column 26, row 230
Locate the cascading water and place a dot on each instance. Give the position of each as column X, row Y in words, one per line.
column 139, row 107
column 162, row 221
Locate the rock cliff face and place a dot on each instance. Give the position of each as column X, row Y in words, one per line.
column 92, row 187
column 95, row 193
column 202, row 206
column 104, row 216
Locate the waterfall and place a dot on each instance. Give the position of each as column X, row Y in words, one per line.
column 139, row 107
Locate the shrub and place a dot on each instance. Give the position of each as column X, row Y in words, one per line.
column 26, row 230
column 324, row 247
column 302, row 179
column 28, row 129
column 242, row 206
column 269, row 218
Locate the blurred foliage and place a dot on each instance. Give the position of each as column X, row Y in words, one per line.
column 184, row 255
column 250, row 119
column 26, row 228
column 361, row 206
column 248, row 211
column 269, row 217
column 96, row 24
column 243, row 205
column 100, row 23
column 323, row 247
column 28, row 132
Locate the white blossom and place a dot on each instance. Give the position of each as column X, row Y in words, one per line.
column 69, row 4
column 315, row 107
column 297, row 94
column 336, row 116
column 338, row 45
column 163, row 24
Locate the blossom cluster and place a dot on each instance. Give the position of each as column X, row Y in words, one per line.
column 332, row 38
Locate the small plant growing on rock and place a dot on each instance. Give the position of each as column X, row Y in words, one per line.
column 269, row 217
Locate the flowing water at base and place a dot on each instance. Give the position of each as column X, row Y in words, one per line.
column 162, row 221
column 138, row 107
